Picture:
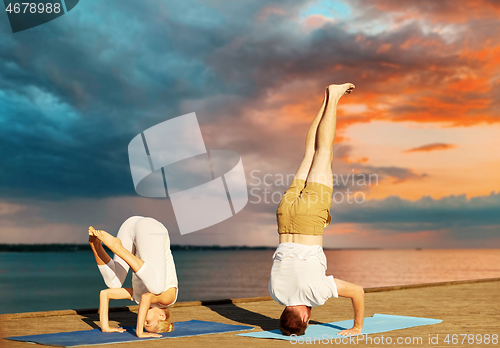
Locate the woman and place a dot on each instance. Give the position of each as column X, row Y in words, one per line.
column 142, row 244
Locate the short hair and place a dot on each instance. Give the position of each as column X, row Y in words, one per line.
column 291, row 323
column 165, row 325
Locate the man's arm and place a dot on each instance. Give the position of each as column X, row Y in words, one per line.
column 357, row 296
column 105, row 296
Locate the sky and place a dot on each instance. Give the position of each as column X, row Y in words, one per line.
column 416, row 160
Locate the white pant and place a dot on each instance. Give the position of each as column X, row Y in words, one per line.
column 147, row 239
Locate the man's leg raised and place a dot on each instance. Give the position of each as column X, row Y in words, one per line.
column 321, row 168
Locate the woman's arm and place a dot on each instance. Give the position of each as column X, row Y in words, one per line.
column 167, row 297
column 105, row 296
column 101, row 256
column 146, row 300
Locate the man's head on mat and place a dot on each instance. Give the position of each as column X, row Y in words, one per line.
column 158, row 320
column 294, row 320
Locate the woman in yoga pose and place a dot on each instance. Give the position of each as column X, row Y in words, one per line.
column 298, row 280
column 142, row 244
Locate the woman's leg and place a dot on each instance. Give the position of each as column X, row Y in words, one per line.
column 321, row 167
column 126, row 236
column 149, row 265
column 101, row 256
column 115, row 271
column 151, row 242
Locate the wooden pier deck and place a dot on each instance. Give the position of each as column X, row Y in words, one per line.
column 466, row 307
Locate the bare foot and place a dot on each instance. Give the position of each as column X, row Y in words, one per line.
column 104, row 237
column 93, row 239
column 337, row 91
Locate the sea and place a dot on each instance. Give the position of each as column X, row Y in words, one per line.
column 44, row 281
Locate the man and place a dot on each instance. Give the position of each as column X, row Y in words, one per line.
column 298, row 278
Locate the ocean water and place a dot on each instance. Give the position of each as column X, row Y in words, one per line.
column 41, row 281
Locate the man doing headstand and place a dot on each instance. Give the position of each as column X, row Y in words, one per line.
column 298, row 280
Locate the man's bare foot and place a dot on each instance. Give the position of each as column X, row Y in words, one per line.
column 337, row 91
column 104, row 237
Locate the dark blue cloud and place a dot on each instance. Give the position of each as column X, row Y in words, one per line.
column 75, row 91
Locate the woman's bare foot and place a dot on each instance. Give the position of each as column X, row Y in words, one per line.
column 337, row 91
column 93, row 239
column 104, row 237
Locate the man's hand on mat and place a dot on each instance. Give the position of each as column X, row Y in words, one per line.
column 350, row 332
column 148, row 334
column 113, row 329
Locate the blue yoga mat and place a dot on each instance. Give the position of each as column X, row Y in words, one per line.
column 96, row 336
column 376, row 324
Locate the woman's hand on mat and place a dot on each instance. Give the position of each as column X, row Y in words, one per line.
column 113, row 329
column 147, row 334
column 353, row 331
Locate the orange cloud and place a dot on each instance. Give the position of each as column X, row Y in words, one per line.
column 432, row 147
column 315, row 21
column 265, row 12
column 437, row 11
column 410, row 72
column 384, row 48
column 347, row 159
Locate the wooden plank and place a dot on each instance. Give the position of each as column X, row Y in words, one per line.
column 470, row 307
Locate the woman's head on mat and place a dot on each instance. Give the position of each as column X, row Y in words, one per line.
column 158, row 320
column 294, row 320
